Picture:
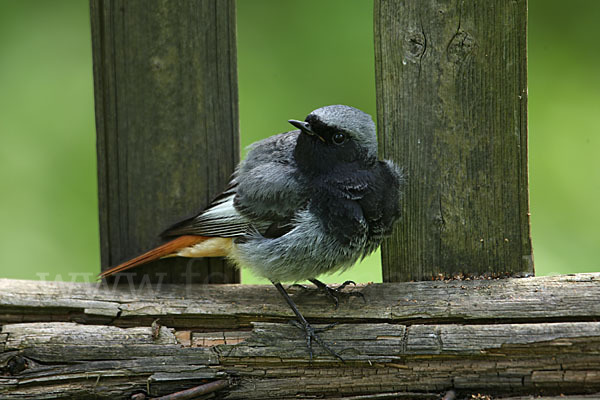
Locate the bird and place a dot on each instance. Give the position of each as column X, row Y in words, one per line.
column 311, row 201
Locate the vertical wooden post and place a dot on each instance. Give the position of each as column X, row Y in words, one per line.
column 452, row 109
column 166, row 99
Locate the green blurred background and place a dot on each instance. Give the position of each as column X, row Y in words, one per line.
column 293, row 57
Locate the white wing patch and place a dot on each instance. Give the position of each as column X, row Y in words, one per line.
column 222, row 209
column 221, row 219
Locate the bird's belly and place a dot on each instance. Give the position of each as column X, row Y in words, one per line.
column 282, row 260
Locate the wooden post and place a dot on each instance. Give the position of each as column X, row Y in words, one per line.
column 452, row 109
column 166, row 98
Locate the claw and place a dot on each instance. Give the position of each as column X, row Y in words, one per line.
column 312, row 334
column 335, row 293
column 343, row 285
column 299, row 286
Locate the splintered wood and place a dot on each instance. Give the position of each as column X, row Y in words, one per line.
column 496, row 338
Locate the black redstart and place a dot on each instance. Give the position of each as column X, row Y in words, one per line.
column 303, row 203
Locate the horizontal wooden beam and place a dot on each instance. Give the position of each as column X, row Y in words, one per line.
column 413, row 340
column 544, row 299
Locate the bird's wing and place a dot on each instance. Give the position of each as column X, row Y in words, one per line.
column 220, row 219
column 264, row 195
column 269, row 190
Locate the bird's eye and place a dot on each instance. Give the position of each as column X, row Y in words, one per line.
column 339, row 138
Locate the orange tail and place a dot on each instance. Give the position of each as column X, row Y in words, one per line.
column 161, row 251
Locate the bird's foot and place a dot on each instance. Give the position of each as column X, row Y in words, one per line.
column 300, row 286
column 312, row 334
column 336, row 292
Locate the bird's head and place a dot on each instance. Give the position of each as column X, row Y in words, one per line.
column 338, row 133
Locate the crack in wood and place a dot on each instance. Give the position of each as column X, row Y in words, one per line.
column 427, row 335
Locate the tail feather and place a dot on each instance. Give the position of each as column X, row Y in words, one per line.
column 164, row 250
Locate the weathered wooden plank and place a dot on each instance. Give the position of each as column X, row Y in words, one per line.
column 501, row 337
column 272, row 362
column 451, row 81
column 594, row 396
column 556, row 298
column 165, row 84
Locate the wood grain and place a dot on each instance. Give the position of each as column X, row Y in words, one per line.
column 503, row 337
column 165, row 83
column 557, row 298
column 451, row 81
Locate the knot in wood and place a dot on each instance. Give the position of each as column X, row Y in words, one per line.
column 460, row 46
column 157, row 63
column 414, row 46
column 15, row 366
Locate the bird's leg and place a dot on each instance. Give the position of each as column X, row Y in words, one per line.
column 336, row 292
column 311, row 333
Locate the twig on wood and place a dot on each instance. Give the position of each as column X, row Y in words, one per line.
column 187, row 394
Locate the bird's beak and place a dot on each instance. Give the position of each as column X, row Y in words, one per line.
column 305, row 128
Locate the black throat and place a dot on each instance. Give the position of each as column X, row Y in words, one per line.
column 315, row 157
